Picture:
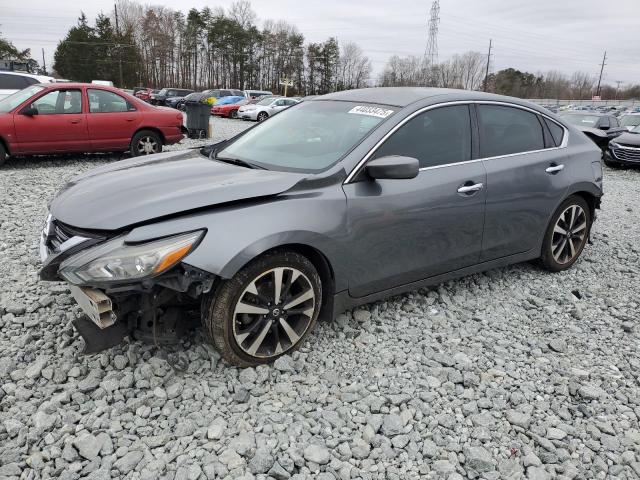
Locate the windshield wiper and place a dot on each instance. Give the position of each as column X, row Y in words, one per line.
column 236, row 161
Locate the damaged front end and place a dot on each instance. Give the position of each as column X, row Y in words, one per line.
column 139, row 289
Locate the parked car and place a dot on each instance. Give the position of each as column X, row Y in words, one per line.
column 228, row 106
column 145, row 94
column 220, row 93
column 335, row 202
column 624, row 150
column 11, row 82
column 599, row 127
column 161, row 97
column 193, row 97
column 265, row 108
column 257, row 93
column 104, row 83
column 630, row 120
column 80, row 117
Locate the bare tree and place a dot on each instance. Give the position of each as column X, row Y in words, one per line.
column 582, row 85
column 354, row 68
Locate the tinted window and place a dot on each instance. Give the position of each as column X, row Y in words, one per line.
column 507, row 130
column 435, row 137
column 103, row 101
column 12, row 82
column 225, row 93
column 557, row 132
column 59, row 102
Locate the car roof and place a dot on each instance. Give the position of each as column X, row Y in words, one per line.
column 404, row 96
column 587, row 112
column 47, row 78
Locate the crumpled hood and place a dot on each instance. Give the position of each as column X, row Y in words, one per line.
column 141, row 189
column 631, row 139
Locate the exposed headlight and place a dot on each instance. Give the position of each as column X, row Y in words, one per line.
column 115, row 261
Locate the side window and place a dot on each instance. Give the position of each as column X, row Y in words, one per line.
column 215, row 93
column 103, row 101
column 604, row 122
column 557, row 132
column 435, row 137
column 225, row 93
column 614, row 122
column 12, row 82
column 290, row 102
column 507, row 130
column 279, row 103
column 59, row 102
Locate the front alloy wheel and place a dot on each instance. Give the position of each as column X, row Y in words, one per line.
column 567, row 234
column 265, row 310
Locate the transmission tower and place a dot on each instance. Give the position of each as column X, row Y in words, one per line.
column 431, row 52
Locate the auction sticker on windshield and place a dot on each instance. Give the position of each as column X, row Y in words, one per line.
column 371, row 111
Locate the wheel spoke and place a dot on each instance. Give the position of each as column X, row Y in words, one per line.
column 580, row 227
column 298, row 299
column 559, row 229
column 259, row 339
column 293, row 336
column 573, row 216
column 252, row 288
column 277, row 284
column 251, row 309
column 558, row 249
column 572, row 248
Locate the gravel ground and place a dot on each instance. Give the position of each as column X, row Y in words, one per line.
column 515, row 373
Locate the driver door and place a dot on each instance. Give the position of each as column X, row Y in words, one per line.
column 410, row 229
column 60, row 124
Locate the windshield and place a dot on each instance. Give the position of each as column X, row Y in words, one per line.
column 581, row 120
column 12, row 101
column 308, row 137
column 266, row 101
column 162, row 92
column 635, row 129
column 630, row 120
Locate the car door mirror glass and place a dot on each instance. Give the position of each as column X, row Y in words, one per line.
column 29, row 111
column 393, row 167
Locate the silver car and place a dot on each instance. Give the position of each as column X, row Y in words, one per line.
column 338, row 201
column 265, row 108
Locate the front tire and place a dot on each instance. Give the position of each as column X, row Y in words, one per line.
column 145, row 142
column 233, row 114
column 566, row 235
column 3, row 155
column 266, row 310
column 262, row 116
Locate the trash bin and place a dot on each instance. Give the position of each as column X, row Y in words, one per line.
column 198, row 115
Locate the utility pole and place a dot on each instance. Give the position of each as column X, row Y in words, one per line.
column 604, row 59
column 486, row 76
column 44, row 64
column 618, row 82
column 115, row 7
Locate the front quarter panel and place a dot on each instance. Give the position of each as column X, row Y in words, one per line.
column 240, row 232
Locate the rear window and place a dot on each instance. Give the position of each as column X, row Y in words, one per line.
column 14, row 82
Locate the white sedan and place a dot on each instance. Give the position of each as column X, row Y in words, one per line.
column 11, row 82
column 262, row 110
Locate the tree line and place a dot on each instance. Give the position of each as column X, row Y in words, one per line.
column 161, row 47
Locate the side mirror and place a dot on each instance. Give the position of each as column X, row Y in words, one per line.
column 393, row 167
column 30, row 111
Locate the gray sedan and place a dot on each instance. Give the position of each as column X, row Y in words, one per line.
column 338, row 201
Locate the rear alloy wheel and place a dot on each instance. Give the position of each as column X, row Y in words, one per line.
column 262, row 116
column 145, row 142
column 566, row 235
column 233, row 114
column 265, row 310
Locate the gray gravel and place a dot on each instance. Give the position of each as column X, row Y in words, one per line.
column 515, row 373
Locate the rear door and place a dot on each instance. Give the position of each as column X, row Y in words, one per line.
column 111, row 119
column 59, row 126
column 527, row 177
column 407, row 230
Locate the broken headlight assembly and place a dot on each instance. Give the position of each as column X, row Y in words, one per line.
column 116, row 261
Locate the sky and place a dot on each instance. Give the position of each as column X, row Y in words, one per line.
column 536, row 36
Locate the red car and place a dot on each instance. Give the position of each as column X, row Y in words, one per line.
column 145, row 94
column 80, row 117
column 229, row 110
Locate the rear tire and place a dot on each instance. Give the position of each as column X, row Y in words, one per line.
column 3, row 155
column 246, row 321
column 566, row 235
column 145, row 142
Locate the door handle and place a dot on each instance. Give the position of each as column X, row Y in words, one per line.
column 554, row 169
column 130, row 119
column 75, row 121
column 471, row 188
